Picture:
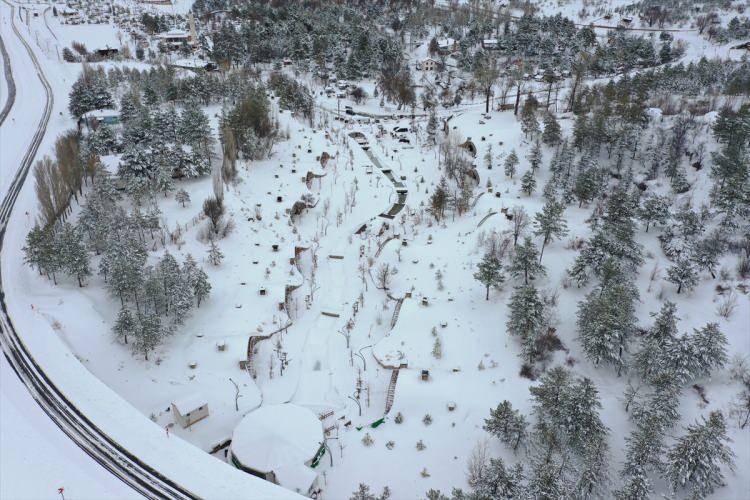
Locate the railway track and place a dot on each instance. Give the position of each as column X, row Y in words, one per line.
column 142, row 477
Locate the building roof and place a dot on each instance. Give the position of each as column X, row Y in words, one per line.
column 299, row 478
column 191, row 63
column 102, row 113
column 175, row 34
column 446, row 42
column 189, row 403
column 277, row 436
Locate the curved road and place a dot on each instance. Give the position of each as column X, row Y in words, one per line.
column 92, row 440
column 8, row 79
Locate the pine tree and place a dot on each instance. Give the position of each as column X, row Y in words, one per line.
column 507, row 424
column 528, row 182
column 439, row 200
column 525, row 262
column 488, row 157
column 535, row 156
column 214, row 254
column 73, row 252
column 683, row 274
column 654, row 210
column 490, row 273
column 526, row 318
column 607, row 320
column 550, row 224
column 693, row 463
column 708, row 349
column 529, row 123
column 552, row 133
column 511, row 163
column 125, row 326
column 148, row 335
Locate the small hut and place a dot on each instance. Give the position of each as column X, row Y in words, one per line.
column 189, row 410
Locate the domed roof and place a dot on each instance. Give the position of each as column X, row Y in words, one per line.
column 276, row 436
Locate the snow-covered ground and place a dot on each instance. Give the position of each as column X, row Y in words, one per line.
column 70, row 326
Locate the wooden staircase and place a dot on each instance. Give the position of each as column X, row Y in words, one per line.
column 396, row 311
column 391, row 390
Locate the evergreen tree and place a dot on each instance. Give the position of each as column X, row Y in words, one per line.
column 525, row 262
column 214, row 254
column 693, row 463
column 529, row 122
column 148, row 335
column 511, row 163
column 607, row 320
column 535, row 156
column 708, row 349
column 528, row 182
column 439, row 200
column 684, row 274
column 488, row 157
column 507, row 424
column 552, row 133
column 182, row 197
column 550, row 224
column 72, row 251
column 526, row 318
column 125, row 326
column 490, row 273
column 654, row 210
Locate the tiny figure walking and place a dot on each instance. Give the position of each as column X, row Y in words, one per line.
column 61, row 491
column 166, row 428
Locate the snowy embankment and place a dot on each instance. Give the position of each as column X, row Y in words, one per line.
column 173, row 457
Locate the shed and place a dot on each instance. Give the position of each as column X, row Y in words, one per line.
column 189, row 409
column 275, row 442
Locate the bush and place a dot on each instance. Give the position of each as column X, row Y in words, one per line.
column 69, row 56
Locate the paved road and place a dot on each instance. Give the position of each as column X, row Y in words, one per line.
column 11, row 84
column 92, row 440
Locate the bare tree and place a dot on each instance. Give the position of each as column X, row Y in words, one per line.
column 486, row 76
column 520, row 222
column 213, row 208
column 383, row 276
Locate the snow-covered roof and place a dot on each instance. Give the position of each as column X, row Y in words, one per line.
column 446, row 42
column 277, row 436
column 299, row 478
column 174, row 34
column 190, row 63
column 102, row 113
column 189, row 403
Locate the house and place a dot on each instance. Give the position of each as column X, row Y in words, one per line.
column 282, row 444
column 174, row 39
column 106, row 51
column 189, row 410
column 97, row 116
column 427, row 64
column 70, row 16
column 491, row 44
column 194, row 64
column 447, row 45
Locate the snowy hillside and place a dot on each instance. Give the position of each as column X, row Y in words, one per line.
column 484, row 250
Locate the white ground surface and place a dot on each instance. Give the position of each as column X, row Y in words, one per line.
column 70, row 326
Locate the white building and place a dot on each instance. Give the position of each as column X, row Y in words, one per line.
column 174, row 39
column 490, row 44
column 189, row 409
column 280, row 443
column 428, row 64
column 447, row 45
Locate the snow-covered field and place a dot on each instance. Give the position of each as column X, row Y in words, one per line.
column 341, row 334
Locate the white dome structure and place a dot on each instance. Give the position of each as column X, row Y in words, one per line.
column 275, row 440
